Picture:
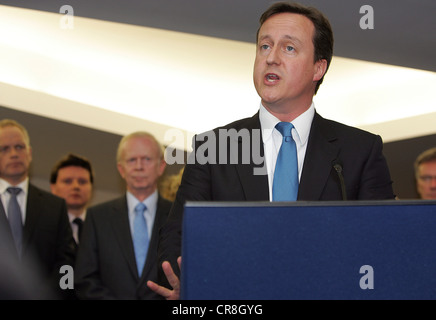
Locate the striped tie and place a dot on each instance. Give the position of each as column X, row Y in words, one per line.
column 15, row 219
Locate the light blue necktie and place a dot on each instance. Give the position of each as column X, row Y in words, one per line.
column 15, row 219
column 140, row 236
column 285, row 183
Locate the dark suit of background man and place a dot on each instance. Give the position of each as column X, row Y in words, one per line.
column 106, row 267
column 47, row 241
column 294, row 50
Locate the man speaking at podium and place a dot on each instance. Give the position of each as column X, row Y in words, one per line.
column 305, row 157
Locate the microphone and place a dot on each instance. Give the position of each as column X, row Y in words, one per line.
column 338, row 167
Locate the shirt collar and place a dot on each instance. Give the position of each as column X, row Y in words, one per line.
column 301, row 124
column 81, row 216
column 24, row 185
column 150, row 202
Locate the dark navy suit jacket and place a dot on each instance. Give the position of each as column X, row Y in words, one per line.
column 359, row 153
column 106, row 265
column 48, row 242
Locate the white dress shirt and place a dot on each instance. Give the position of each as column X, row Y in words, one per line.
column 272, row 139
column 21, row 197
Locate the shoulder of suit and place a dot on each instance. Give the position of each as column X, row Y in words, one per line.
column 44, row 194
column 251, row 122
column 341, row 128
column 116, row 204
column 164, row 203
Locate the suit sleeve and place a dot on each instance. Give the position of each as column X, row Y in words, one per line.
column 65, row 249
column 87, row 281
column 376, row 183
column 195, row 186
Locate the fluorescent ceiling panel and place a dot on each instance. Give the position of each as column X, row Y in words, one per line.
column 119, row 78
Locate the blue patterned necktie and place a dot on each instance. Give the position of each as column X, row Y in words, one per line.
column 285, row 183
column 140, row 236
column 15, row 219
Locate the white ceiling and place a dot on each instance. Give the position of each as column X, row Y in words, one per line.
column 119, row 75
column 403, row 31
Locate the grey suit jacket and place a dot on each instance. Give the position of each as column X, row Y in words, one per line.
column 48, row 243
column 359, row 153
column 106, row 266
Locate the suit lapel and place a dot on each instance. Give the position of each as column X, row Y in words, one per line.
column 6, row 238
column 3, row 219
column 151, row 259
column 120, row 222
column 34, row 208
column 253, row 176
column 322, row 149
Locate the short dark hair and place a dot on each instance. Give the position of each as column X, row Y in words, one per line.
column 323, row 37
column 68, row 161
column 428, row 155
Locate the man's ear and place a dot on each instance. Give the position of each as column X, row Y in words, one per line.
column 162, row 166
column 120, row 169
column 320, row 69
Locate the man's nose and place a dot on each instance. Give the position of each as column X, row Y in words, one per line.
column 139, row 164
column 273, row 56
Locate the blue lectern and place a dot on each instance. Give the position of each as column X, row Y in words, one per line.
column 309, row 250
